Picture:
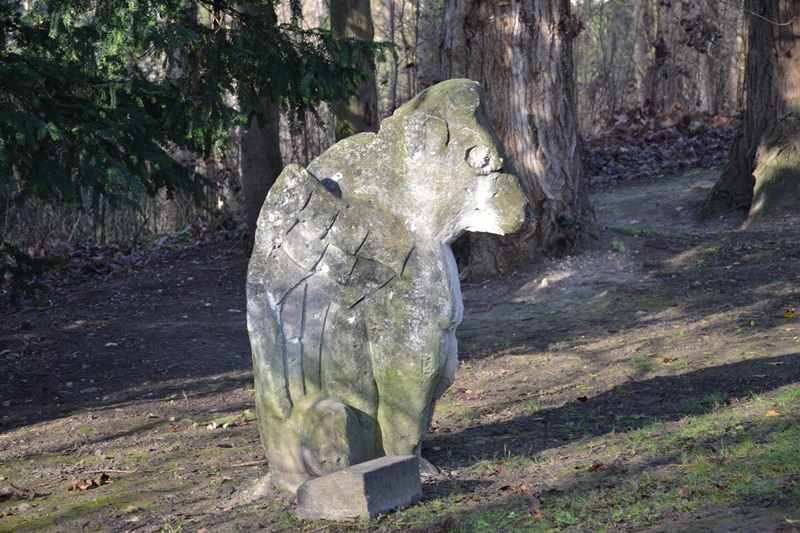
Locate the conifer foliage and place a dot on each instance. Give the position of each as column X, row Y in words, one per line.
column 95, row 96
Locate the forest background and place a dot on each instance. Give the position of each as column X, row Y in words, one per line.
column 643, row 71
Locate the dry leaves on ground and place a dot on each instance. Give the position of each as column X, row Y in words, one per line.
column 90, row 483
column 11, row 492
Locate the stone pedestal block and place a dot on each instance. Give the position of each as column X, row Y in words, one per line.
column 361, row 491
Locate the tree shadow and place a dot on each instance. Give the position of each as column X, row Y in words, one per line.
column 710, row 280
column 626, row 407
column 175, row 330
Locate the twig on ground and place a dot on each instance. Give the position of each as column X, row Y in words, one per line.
column 251, row 463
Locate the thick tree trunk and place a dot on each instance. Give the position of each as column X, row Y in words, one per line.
column 521, row 51
column 353, row 19
column 260, row 161
column 428, row 70
column 764, row 171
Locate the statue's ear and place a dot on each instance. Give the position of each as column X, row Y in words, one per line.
column 425, row 135
column 465, row 97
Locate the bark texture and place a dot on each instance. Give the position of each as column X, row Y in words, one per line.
column 353, row 19
column 260, row 161
column 764, row 170
column 521, row 52
column 428, row 44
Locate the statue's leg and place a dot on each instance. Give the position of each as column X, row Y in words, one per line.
column 448, row 376
column 406, row 374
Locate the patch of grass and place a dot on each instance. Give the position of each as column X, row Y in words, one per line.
column 641, row 363
column 733, row 455
column 696, row 404
column 636, row 230
column 531, row 407
column 19, row 524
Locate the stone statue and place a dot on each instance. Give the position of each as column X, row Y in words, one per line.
column 353, row 295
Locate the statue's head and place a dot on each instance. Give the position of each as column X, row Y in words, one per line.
column 454, row 164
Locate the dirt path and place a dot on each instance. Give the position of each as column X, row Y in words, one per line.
column 661, row 319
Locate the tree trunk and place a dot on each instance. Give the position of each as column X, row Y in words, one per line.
column 521, row 52
column 260, row 160
column 763, row 174
column 641, row 50
column 428, row 70
column 353, row 19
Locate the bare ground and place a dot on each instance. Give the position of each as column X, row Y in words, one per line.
column 662, row 318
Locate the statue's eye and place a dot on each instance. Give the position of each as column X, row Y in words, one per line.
column 483, row 159
column 478, row 157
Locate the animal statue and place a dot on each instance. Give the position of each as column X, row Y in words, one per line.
column 353, row 294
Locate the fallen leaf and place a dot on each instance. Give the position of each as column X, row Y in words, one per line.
column 539, row 489
column 772, row 413
column 752, row 323
column 449, row 524
column 524, row 488
column 538, row 516
column 789, row 313
column 535, row 504
column 595, row 467
column 11, row 492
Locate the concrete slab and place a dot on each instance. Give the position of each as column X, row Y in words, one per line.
column 364, row 490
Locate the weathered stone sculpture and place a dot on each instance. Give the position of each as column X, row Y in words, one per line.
column 353, row 295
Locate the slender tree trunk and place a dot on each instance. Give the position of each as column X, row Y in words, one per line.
column 764, row 171
column 641, row 49
column 520, row 50
column 395, row 61
column 353, row 19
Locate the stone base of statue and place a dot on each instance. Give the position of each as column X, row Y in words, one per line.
column 365, row 490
